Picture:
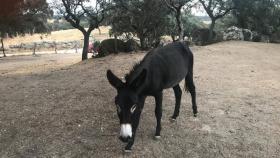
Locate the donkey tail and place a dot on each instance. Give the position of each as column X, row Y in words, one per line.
column 189, row 77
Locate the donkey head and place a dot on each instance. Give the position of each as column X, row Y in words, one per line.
column 127, row 102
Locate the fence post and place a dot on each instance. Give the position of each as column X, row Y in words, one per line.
column 99, row 31
column 76, row 47
column 55, row 49
column 3, row 47
column 34, row 49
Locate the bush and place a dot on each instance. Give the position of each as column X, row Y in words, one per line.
column 219, row 37
column 96, row 44
column 201, row 36
column 191, row 23
column 131, row 45
column 256, row 37
column 275, row 37
column 233, row 33
column 248, row 35
column 109, row 46
column 225, row 22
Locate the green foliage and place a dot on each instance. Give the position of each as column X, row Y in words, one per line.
column 109, row 46
column 191, row 23
column 216, row 9
column 131, row 45
column 262, row 16
column 96, row 44
column 201, row 36
column 142, row 18
column 60, row 23
column 225, row 22
column 24, row 16
column 170, row 26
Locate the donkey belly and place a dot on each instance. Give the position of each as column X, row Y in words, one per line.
column 176, row 68
column 174, row 78
column 171, row 73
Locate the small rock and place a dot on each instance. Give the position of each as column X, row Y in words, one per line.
column 206, row 128
column 220, row 112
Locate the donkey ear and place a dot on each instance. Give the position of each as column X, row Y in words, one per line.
column 138, row 81
column 114, row 80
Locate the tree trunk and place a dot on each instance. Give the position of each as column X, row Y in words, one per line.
column 211, row 29
column 179, row 25
column 142, row 43
column 99, row 31
column 85, row 47
column 173, row 38
column 3, row 47
column 116, row 44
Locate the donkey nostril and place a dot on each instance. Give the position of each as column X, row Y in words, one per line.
column 124, row 139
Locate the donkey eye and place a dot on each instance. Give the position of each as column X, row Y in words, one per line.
column 118, row 108
column 133, row 108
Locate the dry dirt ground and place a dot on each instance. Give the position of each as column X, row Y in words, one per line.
column 51, row 107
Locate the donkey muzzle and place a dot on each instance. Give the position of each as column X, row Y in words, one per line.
column 126, row 132
column 125, row 139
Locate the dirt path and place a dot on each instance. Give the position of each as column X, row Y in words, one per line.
column 68, row 111
column 40, row 63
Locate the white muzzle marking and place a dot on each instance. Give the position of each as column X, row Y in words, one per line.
column 126, row 130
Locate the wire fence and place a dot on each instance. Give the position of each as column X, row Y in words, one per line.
column 45, row 47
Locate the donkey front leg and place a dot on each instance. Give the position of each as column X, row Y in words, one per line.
column 178, row 95
column 158, row 113
column 135, row 124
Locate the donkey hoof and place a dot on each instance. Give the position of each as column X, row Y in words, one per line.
column 195, row 115
column 157, row 137
column 172, row 119
column 127, row 150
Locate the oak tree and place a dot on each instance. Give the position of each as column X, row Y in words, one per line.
column 93, row 12
column 216, row 9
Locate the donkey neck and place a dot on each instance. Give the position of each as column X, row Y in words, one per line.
column 138, row 68
column 134, row 72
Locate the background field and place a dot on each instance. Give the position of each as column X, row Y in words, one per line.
column 55, row 106
column 62, row 35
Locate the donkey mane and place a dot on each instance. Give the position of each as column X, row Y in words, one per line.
column 136, row 68
column 132, row 71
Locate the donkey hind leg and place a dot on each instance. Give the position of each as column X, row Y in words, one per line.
column 158, row 113
column 191, row 88
column 178, row 95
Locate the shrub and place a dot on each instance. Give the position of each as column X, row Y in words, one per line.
column 109, row 46
column 248, row 35
column 96, row 45
column 275, row 37
column 201, row 36
column 131, row 45
column 256, row 37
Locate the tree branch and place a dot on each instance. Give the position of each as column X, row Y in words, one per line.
column 223, row 14
column 207, row 8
